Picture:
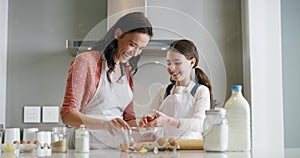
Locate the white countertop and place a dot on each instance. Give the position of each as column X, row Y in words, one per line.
column 112, row 153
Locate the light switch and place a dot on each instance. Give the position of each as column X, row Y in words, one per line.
column 50, row 114
column 32, row 114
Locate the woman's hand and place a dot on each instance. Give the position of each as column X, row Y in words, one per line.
column 116, row 126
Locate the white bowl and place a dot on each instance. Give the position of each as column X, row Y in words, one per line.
column 27, row 148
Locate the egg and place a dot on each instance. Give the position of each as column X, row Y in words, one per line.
column 172, row 141
column 149, row 118
column 161, row 141
column 36, row 142
column 123, row 147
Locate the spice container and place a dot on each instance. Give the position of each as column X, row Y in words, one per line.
column 82, row 140
column 215, row 130
column 59, row 141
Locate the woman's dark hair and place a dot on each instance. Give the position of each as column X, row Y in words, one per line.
column 189, row 50
column 129, row 23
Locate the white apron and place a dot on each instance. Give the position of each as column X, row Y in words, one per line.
column 109, row 102
column 179, row 104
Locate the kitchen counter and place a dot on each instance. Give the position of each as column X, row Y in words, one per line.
column 112, row 153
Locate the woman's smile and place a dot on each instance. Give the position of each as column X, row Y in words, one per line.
column 125, row 57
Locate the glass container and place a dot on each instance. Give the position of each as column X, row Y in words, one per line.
column 59, row 141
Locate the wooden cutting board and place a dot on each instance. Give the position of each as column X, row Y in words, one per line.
column 190, row 144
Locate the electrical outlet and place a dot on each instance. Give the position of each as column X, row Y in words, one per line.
column 50, row 114
column 32, row 114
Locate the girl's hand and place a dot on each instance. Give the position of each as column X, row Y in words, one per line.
column 160, row 120
column 116, row 126
column 146, row 119
column 163, row 119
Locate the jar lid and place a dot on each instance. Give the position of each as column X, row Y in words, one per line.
column 59, row 129
column 82, row 126
column 216, row 111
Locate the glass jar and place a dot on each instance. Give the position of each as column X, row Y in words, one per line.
column 215, row 130
column 59, row 141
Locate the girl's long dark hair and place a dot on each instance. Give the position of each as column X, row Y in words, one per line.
column 189, row 50
column 129, row 23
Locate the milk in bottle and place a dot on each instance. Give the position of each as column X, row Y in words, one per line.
column 238, row 116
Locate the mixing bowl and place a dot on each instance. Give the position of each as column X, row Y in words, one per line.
column 145, row 134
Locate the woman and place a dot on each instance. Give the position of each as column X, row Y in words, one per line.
column 180, row 106
column 99, row 85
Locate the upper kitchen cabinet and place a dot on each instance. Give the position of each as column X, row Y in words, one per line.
column 117, row 8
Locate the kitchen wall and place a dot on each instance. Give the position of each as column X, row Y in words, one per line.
column 291, row 75
column 38, row 60
column 215, row 27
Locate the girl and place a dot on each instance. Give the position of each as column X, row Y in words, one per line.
column 180, row 106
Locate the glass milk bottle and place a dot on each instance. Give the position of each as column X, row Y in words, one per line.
column 82, row 140
column 238, row 116
column 215, row 130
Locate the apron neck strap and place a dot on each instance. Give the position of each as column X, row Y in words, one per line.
column 168, row 90
column 170, row 86
column 122, row 67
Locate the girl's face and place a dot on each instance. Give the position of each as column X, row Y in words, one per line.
column 179, row 67
column 129, row 45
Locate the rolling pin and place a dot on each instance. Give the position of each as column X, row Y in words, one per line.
column 190, row 144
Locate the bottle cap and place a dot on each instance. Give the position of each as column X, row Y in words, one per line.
column 236, row 87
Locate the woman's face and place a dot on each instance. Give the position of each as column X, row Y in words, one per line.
column 130, row 44
column 179, row 67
